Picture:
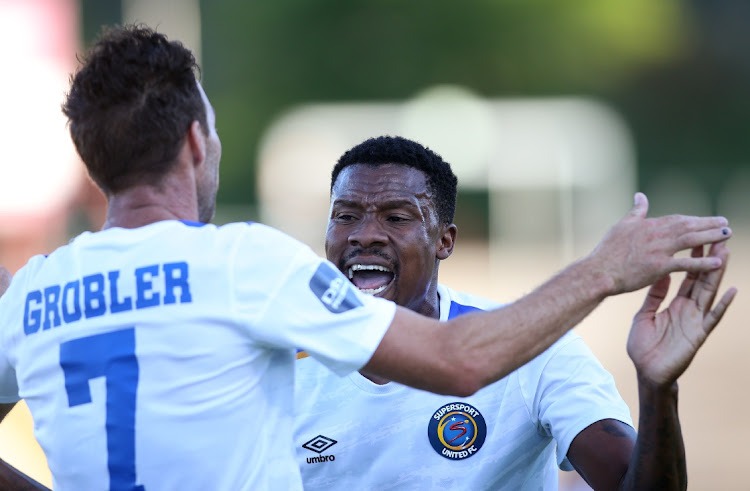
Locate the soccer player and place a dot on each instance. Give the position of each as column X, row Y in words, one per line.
column 390, row 226
column 158, row 353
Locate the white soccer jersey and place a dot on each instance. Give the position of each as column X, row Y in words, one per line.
column 353, row 434
column 162, row 358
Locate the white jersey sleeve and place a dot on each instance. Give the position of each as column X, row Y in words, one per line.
column 319, row 309
column 568, row 389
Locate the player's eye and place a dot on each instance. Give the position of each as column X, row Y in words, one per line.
column 396, row 219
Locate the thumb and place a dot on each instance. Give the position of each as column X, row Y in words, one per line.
column 655, row 297
column 640, row 206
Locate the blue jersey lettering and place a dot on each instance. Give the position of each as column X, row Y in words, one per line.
column 98, row 294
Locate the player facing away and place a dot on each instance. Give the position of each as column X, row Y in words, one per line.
column 158, row 353
column 390, row 226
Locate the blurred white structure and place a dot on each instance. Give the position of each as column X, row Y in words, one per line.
column 39, row 171
column 179, row 19
column 558, row 171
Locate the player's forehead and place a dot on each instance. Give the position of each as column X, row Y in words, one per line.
column 380, row 183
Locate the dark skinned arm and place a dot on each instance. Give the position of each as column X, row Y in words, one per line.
column 608, row 454
column 11, row 479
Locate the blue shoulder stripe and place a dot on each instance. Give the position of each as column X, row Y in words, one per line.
column 191, row 223
column 458, row 309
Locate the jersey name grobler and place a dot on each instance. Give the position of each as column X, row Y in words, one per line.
column 106, row 293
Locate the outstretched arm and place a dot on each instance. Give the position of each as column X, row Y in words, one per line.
column 661, row 345
column 479, row 348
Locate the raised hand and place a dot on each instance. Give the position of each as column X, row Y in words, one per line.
column 638, row 250
column 663, row 344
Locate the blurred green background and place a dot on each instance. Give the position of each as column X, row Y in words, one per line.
column 677, row 71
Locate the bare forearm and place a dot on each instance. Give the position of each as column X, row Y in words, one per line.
column 474, row 350
column 658, row 460
column 524, row 329
column 478, row 349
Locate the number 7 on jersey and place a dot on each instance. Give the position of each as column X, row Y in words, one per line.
column 110, row 355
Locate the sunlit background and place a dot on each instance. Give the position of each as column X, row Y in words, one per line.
column 552, row 114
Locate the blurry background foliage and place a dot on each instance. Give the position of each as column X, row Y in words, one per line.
column 678, row 71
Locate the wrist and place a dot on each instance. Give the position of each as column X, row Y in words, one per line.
column 658, row 388
column 598, row 281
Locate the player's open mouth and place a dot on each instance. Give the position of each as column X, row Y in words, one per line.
column 370, row 278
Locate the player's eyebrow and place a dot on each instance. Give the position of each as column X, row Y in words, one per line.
column 345, row 202
column 385, row 204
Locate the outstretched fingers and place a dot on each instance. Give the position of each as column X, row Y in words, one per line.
column 692, row 233
column 712, row 318
column 686, row 287
column 706, row 231
column 695, row 264
column 707, row 284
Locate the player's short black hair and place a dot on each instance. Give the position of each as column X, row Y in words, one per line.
column 130, row 105
column 441, row 180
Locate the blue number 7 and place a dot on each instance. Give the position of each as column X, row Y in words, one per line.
column 110, row 355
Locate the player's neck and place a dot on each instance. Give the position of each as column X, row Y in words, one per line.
column 173, row 196
column 374, row 379
column 143, row 205
column 429, row 304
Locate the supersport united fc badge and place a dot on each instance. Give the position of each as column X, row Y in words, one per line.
column 457, row 430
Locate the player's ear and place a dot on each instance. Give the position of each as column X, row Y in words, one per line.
column 196, row 141
column 447, row 240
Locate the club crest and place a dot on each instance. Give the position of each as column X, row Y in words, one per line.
column 457, row 430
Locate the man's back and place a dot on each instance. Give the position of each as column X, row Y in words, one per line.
column 143, row 357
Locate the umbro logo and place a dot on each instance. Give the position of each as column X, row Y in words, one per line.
column 320, row 444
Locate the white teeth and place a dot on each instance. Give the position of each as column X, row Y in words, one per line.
column 366, row 267
column 375, row 291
